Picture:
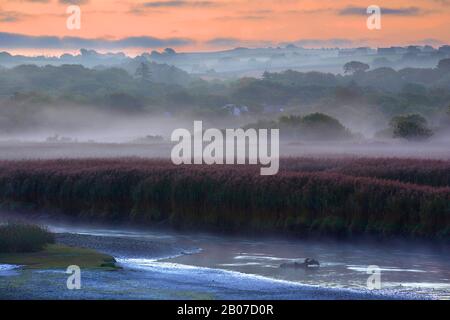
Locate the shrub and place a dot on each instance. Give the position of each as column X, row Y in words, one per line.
column 355, row 67
column 19, row 237
column 314, row 126
column 411, row 127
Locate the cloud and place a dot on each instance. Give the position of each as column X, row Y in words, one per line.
column 310, row 11
column 177, row 3
column 242, row 17
column 256, row 12
column 15, row 41
column 224, row 42
column 39, row 1
column 143, row 8
column 409, row 11
column 235, row 42
column 10, row 16
column 252, row 17
column 76, row 2
column 443, row 2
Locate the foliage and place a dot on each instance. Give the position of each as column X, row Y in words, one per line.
column 411, row 127
column 444, row 65
column 19, row 237
column 29, row 94
column 314, row 126
column 355, row 66
column 143, row 72
column 27, row 91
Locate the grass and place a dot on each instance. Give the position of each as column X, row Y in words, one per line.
column 19, row 237
column 57, row 256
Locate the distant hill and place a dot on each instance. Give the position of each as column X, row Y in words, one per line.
column 240, row 62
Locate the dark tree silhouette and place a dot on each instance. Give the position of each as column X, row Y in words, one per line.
column 169, row 51
column 143, row 72
column 444, row 64
column 355, row 66
column 411, row 127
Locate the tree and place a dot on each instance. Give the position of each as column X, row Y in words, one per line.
column 411, row 127
column 444, row 65
column 355, row 66
column 445, row 121
column 290, row 121
column 169, row 51
column 314, row 126
column 143, row 72
column 324, row 127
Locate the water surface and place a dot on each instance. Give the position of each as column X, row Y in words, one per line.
column 170, row 265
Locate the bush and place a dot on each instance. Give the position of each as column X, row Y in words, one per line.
column 411, row 127
column 355, row 67
column 314, row 126
column 18, row 237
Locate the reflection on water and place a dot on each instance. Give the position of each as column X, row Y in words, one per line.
column 342, row 265
column 364, row 269
column 8, row 270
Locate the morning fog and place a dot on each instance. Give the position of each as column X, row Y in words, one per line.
column 228, row 146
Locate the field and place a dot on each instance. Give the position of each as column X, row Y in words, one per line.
column 339, row 197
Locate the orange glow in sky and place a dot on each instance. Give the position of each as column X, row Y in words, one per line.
column 197, row 25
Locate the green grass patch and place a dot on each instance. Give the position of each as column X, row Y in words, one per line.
column 57, row 256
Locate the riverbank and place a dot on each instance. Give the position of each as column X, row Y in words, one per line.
column 59, row 256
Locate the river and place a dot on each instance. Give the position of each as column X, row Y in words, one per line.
column 171, row 265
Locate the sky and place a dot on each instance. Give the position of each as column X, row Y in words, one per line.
column 133, row 26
